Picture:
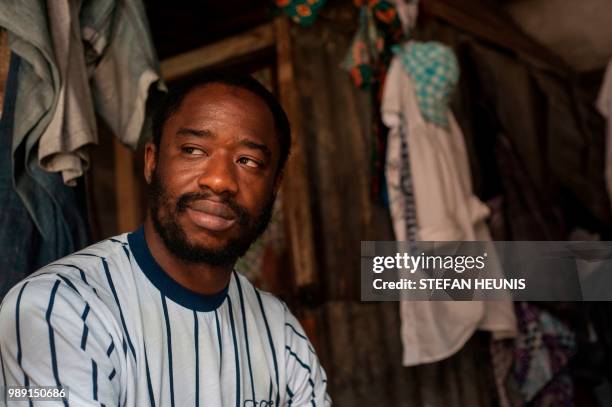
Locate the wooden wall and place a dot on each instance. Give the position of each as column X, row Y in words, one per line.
column 359, row 343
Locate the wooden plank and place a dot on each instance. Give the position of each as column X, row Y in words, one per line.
column 240, row 45
column 295, row 185
column 336, row 126
column 129, row 211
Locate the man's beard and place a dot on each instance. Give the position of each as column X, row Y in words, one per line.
column 176, row 240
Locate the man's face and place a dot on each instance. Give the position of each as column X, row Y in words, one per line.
column 213, row 180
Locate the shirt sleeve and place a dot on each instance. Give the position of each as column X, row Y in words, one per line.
column 306, row 379
column 51, row 336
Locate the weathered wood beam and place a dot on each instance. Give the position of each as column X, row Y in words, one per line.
column 187, row 63
column 129, row 210
column 296, row 197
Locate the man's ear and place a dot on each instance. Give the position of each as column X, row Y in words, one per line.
column 150, row 161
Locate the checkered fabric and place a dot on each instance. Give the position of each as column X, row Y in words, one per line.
column 434, row 71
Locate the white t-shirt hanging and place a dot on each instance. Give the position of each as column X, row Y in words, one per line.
column 446, row 210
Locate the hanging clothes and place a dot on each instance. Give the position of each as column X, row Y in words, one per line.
column 446, row 210
column 407, row 11
column 435, row 73
column 76, row 57
column 303, row 12
column 126, row 77
column 542, row 352
column 604, row 105
column 72, row 127
column 66, row 45
column 380, row 27
column 22, row 247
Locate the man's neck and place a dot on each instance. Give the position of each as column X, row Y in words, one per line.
column 200, row 278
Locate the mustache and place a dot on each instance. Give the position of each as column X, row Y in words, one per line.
column 185, row 200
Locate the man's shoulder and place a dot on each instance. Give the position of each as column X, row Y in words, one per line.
column 83, row 274
column 111, row 249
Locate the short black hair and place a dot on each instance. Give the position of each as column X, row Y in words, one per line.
column 171, row 102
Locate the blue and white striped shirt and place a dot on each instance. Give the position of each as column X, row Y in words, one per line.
column 111, row 326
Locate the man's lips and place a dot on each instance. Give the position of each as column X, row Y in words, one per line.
column 213, row 208
column 211, row 215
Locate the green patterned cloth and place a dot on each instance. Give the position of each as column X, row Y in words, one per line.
column 303, row 12
column 370, row 52
column 434, row 72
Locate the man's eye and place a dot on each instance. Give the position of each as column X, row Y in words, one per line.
column 249, row 162
column 192, row 151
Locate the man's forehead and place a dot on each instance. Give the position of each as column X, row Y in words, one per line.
column 214, row 100
column 218, row 107
column 218, row 92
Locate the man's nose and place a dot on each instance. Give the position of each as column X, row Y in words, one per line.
column 219, row 175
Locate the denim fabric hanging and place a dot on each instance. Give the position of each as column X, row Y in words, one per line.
column 23, row 249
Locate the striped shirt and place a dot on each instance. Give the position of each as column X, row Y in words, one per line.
column 111, row 326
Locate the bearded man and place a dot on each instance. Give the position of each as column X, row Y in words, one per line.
column 159, row 316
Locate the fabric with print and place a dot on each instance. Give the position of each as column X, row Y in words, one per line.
column 400, row 188
column 303, row 12
column 434, row 71
column 370, row 53
column 543, row 349
column 367, row 59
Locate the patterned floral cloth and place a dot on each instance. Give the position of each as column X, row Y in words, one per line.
column 435, row 72
column 379, row 28
column 367, row 59
column 303, row 12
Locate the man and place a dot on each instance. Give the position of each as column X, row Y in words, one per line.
column 158, row 316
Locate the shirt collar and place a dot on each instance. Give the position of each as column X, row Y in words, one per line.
column 165, row 284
